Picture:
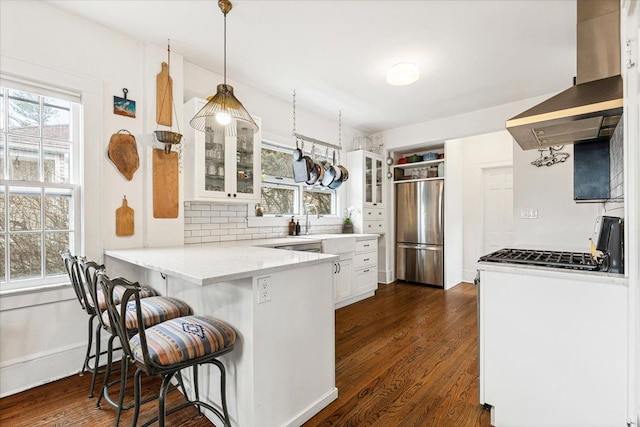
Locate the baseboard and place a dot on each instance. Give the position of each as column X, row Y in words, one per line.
column 22, row 374
column 313, row 409
column 385, row 276
column 353, row 299
column 468, row 275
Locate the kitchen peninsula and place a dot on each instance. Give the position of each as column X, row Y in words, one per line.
column 282, row 369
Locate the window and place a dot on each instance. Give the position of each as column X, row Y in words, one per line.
column 281, row 195
column 39, row 216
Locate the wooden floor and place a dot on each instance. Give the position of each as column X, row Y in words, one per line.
column 406, row 357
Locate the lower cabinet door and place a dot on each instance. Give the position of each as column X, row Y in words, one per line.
column 343, row 271
column 365, row 280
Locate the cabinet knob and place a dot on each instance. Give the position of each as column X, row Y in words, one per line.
column 228, row 194
column 234, row 194
column 366, row 259
column 365, row 271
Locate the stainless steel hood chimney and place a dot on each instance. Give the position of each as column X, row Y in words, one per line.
column 591, row 109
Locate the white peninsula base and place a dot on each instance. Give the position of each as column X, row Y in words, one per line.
column 282, row 369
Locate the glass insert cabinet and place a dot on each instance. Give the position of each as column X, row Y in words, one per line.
column 219, row 167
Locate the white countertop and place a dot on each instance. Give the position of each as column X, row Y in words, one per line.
column 561, row 273
column 209, row 263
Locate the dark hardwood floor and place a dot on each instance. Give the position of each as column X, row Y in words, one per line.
column 406, row 357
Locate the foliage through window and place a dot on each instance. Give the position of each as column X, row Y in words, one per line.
column 281, row 195
column 38, row 189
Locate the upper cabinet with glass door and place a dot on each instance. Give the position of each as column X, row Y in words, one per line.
column 218, row 167
column 373, row 194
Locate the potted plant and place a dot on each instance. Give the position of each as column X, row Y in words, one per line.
column 347, row 226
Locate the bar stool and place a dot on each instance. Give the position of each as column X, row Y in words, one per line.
column 166, row 348
column 155, row 309
column 86, row 300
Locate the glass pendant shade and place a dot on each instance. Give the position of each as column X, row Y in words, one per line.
column 224, row 107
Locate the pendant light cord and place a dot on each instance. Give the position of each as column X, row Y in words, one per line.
column 225, row 49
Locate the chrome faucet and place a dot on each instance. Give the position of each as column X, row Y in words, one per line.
column 307, row 208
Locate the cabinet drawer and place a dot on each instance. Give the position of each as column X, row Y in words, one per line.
column 373, row 227
column 363, row 260
column 373, row 214
column 366, row 245
column 365, row 280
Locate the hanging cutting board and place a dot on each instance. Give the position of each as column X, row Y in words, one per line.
column 164, row 96
column 123, row 152
column 124, row 219
column 165, row 184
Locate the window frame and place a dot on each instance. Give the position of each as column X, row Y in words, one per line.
column 271, row 181
column 41, row 187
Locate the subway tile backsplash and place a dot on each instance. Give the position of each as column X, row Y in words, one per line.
column 206, row 222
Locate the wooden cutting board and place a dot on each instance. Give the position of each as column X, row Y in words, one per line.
column 164, row 96
column 165, row 184
column 124, row 219
column 123, row 152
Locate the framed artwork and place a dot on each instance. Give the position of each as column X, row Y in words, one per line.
column 124, row 106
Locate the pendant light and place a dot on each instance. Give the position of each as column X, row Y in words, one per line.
column 224, row 114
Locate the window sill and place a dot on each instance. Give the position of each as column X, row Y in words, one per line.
column 275, row 221
column 37, row 295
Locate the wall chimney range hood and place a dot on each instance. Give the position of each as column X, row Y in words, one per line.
column 591, row 109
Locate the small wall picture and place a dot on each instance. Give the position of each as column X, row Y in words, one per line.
column 124, row 106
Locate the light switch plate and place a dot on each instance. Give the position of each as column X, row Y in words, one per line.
column 529, row 213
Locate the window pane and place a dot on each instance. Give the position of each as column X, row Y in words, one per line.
column 57, row 162
column 24, row 113
column 54, row 243
column 25, row 260
column 2, row 212
column 57, row 211
column 277, row 163
column 24, row 158
column 2, row 269
column 321, row 200
column 2, row 156
column 24, row 209
column 56, row 123
column 277, row 200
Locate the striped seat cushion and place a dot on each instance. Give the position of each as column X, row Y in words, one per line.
column 118, row 291
column 154, row 311
column 183, row 339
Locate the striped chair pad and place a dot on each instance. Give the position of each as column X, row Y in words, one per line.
column 183, row 339
column 118, row 291
column 154, row 311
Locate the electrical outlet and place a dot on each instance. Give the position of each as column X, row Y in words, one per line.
column 264, row 289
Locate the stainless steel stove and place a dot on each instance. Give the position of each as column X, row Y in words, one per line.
column 556, row 259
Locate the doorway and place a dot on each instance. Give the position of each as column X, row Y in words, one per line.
column 497, row 208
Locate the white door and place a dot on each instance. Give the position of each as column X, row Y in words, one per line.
column 497, row 209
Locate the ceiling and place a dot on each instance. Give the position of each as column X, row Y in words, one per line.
column 472, row 54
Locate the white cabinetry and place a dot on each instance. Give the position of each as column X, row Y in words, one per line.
column 217, row 167
column 556, row 341
column 367, row 191
column 356, row 272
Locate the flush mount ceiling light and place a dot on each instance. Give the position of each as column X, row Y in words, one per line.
column 403, row 73
column 224, row 113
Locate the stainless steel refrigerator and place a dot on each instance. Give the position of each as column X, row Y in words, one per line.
column 420, row 232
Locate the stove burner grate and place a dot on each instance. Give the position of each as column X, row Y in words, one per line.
column 572, row 260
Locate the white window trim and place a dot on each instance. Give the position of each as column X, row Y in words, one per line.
column 91, row 129
column 43, row 186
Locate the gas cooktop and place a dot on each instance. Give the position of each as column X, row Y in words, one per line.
column 556, row 259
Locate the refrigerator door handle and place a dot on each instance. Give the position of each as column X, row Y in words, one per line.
column 424, row 247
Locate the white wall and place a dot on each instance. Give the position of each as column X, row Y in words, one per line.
column 480, row 152
column 562, row 224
